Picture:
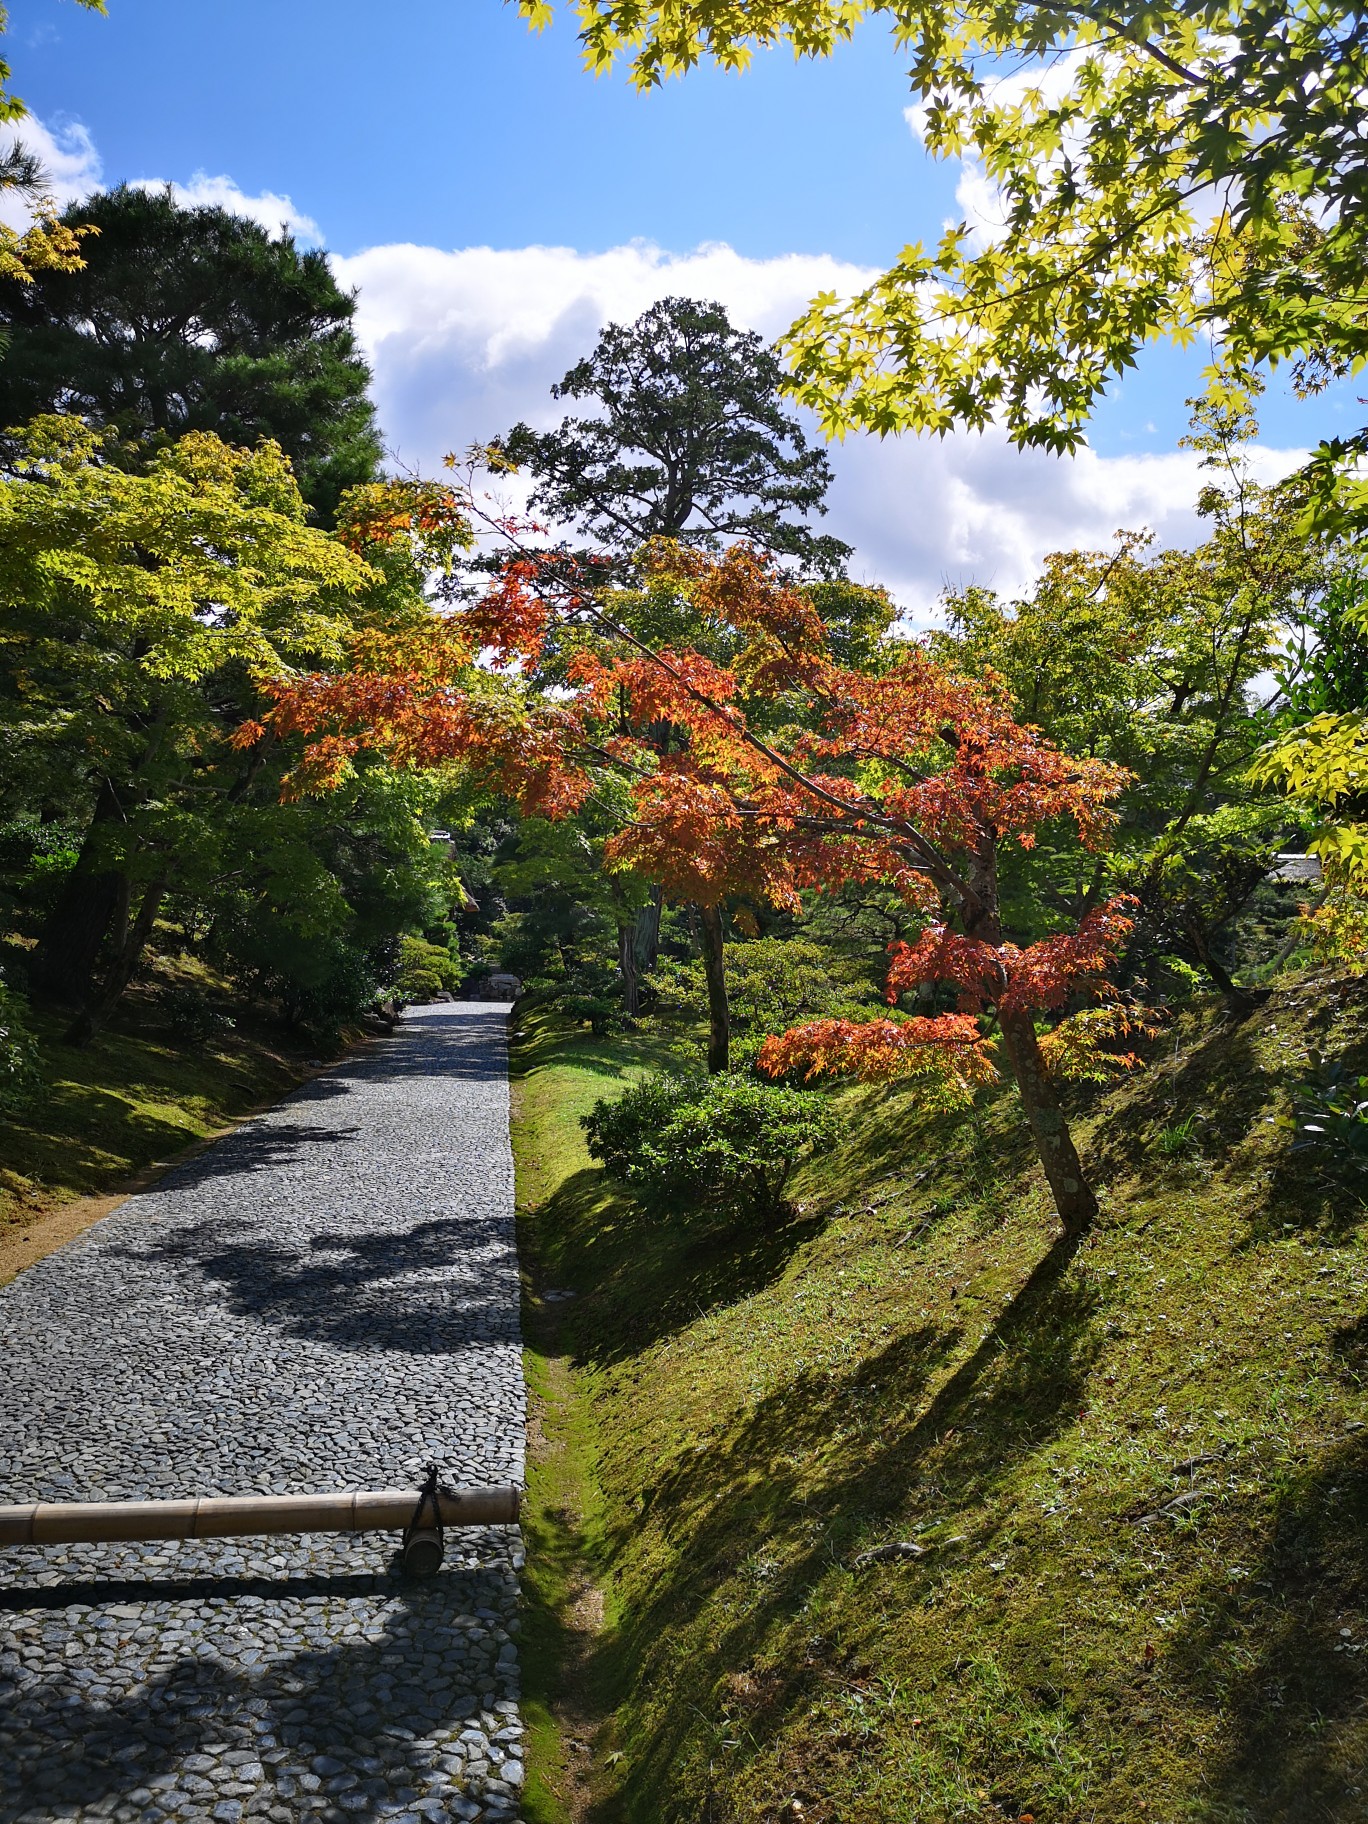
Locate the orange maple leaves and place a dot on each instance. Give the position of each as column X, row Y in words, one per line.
column 758, row 775
column 949, row 1050
column 430, row 515
column 1042, row 976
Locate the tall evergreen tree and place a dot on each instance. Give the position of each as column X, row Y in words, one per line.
column 688, row 438
column 195, row 320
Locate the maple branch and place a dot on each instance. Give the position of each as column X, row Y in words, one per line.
column 934, row 863
column 1171, row 64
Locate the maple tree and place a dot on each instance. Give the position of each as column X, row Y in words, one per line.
column 136, row 613
column 788, row 772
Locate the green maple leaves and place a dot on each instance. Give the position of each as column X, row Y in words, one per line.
column 1163, row 170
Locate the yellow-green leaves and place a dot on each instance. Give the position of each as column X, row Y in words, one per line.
column 1323, row 765
column 1161, row 168
column 201, row 561
column 1322, row 762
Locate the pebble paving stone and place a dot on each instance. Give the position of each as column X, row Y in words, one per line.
column 327, row 1299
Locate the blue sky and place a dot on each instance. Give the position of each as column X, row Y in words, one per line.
column 447, row 121
column 416, row 134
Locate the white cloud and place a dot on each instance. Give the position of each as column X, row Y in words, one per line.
column 495, row 310
column 74, row 169
column 925, row 515
column 276, row 213
column 67, row 154
column 464, row 343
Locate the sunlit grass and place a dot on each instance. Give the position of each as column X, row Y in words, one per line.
column 133, row 1097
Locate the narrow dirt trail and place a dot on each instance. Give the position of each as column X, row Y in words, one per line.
column 326, row 1299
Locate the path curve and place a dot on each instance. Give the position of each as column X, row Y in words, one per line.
column 326, row 1299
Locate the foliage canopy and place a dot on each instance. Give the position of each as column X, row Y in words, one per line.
column 194, row 320
column 1163, row 170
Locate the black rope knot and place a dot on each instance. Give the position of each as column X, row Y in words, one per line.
column 428, row 1494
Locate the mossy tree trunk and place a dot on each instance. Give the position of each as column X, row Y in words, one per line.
column 1073, row 1196
column 92, row 899
column 715, row 973
column 120, row 973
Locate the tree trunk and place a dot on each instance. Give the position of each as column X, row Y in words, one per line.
column 1054, row 1145
column 715, row 973
column 1238, row 998
column 100, row 1005
column 627, row 963
column 1073, row 1197
column 63, row 965
column 647, row 934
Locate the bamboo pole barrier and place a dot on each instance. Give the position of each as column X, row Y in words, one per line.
column 232, row 1516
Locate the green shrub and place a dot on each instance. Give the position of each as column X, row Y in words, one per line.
column 588, row 990
column 20, row 1077
column 35, row 858
column 189, row 1015
column 727, row 1144
column 425, row 969
column 616, row 1128
column 1330, row 1116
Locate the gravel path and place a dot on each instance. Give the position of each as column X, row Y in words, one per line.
column 327, row 1299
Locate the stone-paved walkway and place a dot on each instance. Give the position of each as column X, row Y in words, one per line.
column 327, row 1299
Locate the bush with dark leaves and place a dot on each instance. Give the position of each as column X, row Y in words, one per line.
column 726, row 1144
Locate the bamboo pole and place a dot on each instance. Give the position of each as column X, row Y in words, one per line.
column 230, row 1516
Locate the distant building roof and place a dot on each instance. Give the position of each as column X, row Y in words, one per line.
column 1296, row 867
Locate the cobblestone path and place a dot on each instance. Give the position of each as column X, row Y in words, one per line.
column 327, row 1299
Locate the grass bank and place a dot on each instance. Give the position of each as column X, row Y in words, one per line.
column 1123, row 1489
column 557, row 1077
column 108, row 1115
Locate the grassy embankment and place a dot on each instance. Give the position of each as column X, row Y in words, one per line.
column 1136, row 1476
column 109, row 1115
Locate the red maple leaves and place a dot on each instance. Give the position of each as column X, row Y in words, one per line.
column 1040, row 977
column 758, row 775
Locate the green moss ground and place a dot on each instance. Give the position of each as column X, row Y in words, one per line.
column 133, row 1097
column 1137, row 1471
column 557, row 1077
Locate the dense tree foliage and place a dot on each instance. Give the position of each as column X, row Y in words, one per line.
column 138, row 613
column 194, row 319
column 1320, row 757
column 1161, row 661
column 1161, row 171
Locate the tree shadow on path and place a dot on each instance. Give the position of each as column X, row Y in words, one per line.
column 361, row 1702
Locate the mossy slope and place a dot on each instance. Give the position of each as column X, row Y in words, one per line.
column 132, row 1097
column 1136, row 1471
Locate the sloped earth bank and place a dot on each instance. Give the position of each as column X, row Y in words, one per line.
column 907, row 1513
column 328, row 1299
